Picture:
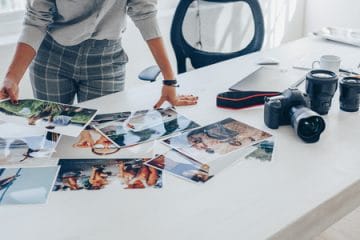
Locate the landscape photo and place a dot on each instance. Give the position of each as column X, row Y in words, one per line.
column 26, row 185
column 262, row 151
column 129, row 129
column 98, row 174
column 24, row 146
column 216, row 140
column 48, row 116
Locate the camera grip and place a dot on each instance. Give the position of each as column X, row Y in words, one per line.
column 272, row 114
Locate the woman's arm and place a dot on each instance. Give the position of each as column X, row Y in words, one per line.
column 24, row 54
column 38, row 15
column 168, row 93
column 143, row 13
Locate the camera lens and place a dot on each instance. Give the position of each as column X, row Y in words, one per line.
column 310, row 126
column 349, row 94
column 307, row 124
column 321, row 86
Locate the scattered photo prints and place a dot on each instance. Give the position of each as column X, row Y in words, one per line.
column 181, row 166
column 263, row 151
column 216, row 140
column 96, row 174
column 128, row 129
column 50, row 116
column 21, row 145
column 26, row 185
column 92, row 144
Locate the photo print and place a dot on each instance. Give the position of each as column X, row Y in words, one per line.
column 262, row 151
column 181, row 166
column 48, row 116
column 96, row 174
column 26, row 185
column 216, row 140
column 129, row 129
column 92, row 144
column 24, row 146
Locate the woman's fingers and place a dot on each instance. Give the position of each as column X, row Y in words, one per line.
column 3, row 94
column 160, row 102
column 10, row 89
column 188, row 97
column 13, row 95
column 184, row 102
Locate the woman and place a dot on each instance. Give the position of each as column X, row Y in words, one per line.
column 77, row 50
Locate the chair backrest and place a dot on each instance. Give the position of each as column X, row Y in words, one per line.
column 200, row 58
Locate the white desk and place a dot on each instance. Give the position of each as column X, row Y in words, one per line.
column 301, row 192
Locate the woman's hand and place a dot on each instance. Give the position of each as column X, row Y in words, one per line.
column 10, row 89
column 168, row 94
column 24, row 54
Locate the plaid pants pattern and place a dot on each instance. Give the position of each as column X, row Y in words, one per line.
column 91, row 69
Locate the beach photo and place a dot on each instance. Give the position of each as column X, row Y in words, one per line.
column 216, row 140
column 181, row 166
column 97, row 174
column 92, row 144
column 55, row 117
column 142, row 126
column 26, row 185
column 24, row 146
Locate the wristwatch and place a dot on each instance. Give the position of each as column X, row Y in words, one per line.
column 171, row 83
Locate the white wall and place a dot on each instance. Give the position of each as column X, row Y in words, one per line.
column 284, row 22
column 335, row 13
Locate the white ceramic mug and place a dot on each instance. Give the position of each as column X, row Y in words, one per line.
column 328, row 62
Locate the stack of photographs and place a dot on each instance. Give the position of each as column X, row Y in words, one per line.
column 48, row 116
column 127, row 129
column 103, row 152
column 208, row 149
column 27, row 169
column 111, row 151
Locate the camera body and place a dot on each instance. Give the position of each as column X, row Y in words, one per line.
column 350, row 94
column 292, row 107
column 277, row 109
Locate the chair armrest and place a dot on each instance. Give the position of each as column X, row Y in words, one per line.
column 150, row 74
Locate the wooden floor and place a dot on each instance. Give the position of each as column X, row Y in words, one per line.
column 346, row 229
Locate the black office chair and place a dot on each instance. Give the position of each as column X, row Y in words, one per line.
column 200, row 58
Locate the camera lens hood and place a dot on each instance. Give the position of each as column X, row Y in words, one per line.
column 350, row 81
column 307, row 124
column 322, row 76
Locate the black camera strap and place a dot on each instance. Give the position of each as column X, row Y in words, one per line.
column 243, row 99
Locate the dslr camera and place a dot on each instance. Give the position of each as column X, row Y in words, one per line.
column 292, row 107
column 350, row 94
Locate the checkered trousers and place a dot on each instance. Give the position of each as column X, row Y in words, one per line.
column 91, row 69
